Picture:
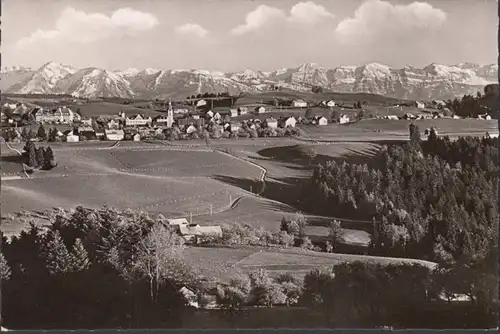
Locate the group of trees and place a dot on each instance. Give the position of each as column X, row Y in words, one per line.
column 432, row 200
column 95, row 269
column 199, row 96
column 38, row 157
column 108, row 268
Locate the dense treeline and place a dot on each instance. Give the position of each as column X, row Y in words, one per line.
column 433, row 200
column 123, row 269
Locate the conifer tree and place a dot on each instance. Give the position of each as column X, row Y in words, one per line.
column 40, row 153
column 80, row 259
column 4, row 268
column 49, row 161
column 57, row 257
column 31, row 151
column 42, row 134
column 52, row 135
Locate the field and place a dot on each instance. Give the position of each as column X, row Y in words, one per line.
column 223, row 263
column 177, row 182
column 365, row 130
column 347, row 98
column 111, row 109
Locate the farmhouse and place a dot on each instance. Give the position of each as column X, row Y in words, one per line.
column 181, row 111
column 234, row 112
column 419, row 105
column 114, row 134
column 177, row 221
column 271, row 123
column 196, row 233
column 209, row 114
column 343, row 119
column 70, row 136
column 138, row 120
column 393, row 117
column 321, row 120
column 201, row 103
column 136, row 137
column 299, row 104
column 288, row 122
column 260, row 110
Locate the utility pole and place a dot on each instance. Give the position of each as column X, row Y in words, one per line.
column 190, row 217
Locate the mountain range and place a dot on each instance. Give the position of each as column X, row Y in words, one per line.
column 434, row 81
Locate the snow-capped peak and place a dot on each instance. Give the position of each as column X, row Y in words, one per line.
column 129, row 72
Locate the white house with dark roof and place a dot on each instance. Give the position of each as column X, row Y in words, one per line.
column 321, row 120
column 138, row 120
column 114, row 135
column 272, row 123
column 299, row 103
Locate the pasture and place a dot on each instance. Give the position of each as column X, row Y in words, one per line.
column 111, row 109
column 222, row 263
column 171, row 182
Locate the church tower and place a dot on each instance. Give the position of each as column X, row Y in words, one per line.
column 170, row 114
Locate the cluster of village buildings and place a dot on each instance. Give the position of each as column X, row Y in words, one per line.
column 123, row 127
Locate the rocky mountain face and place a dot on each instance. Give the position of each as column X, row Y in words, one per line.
column 434, row 81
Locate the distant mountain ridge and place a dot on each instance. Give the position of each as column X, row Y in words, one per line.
column 434, row 81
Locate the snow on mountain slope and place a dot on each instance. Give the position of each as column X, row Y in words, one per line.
column 43, row 80
column 434, row 81
column 94, row 82
column 10, row 77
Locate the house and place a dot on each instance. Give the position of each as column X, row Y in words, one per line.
column 71, row 137
column 343, row 119
column 393, row 117
column 234, row 112
column 196, row 233
column 138, row 120
column 87, row 133
column 288, row 122
column 136, row 137
column 201, row 103
column 260, row 110
column 65, row 115
column 196, row 116
column 209, row 114
column 299, row 104
column 272, row 123
column 243, row 110
column 321, row 120
column 330, row 104
column 439, row 103
column 419, row 105
column 114, row 134
column 217, row 116
column 190, row 297
column 177, row 221
column 163, row 120
column 190, row 129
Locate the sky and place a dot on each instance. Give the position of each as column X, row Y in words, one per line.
column 233, row 35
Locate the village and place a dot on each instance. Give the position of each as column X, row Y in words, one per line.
column 201, row 121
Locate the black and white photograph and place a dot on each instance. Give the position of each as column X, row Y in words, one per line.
column 249, row 164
